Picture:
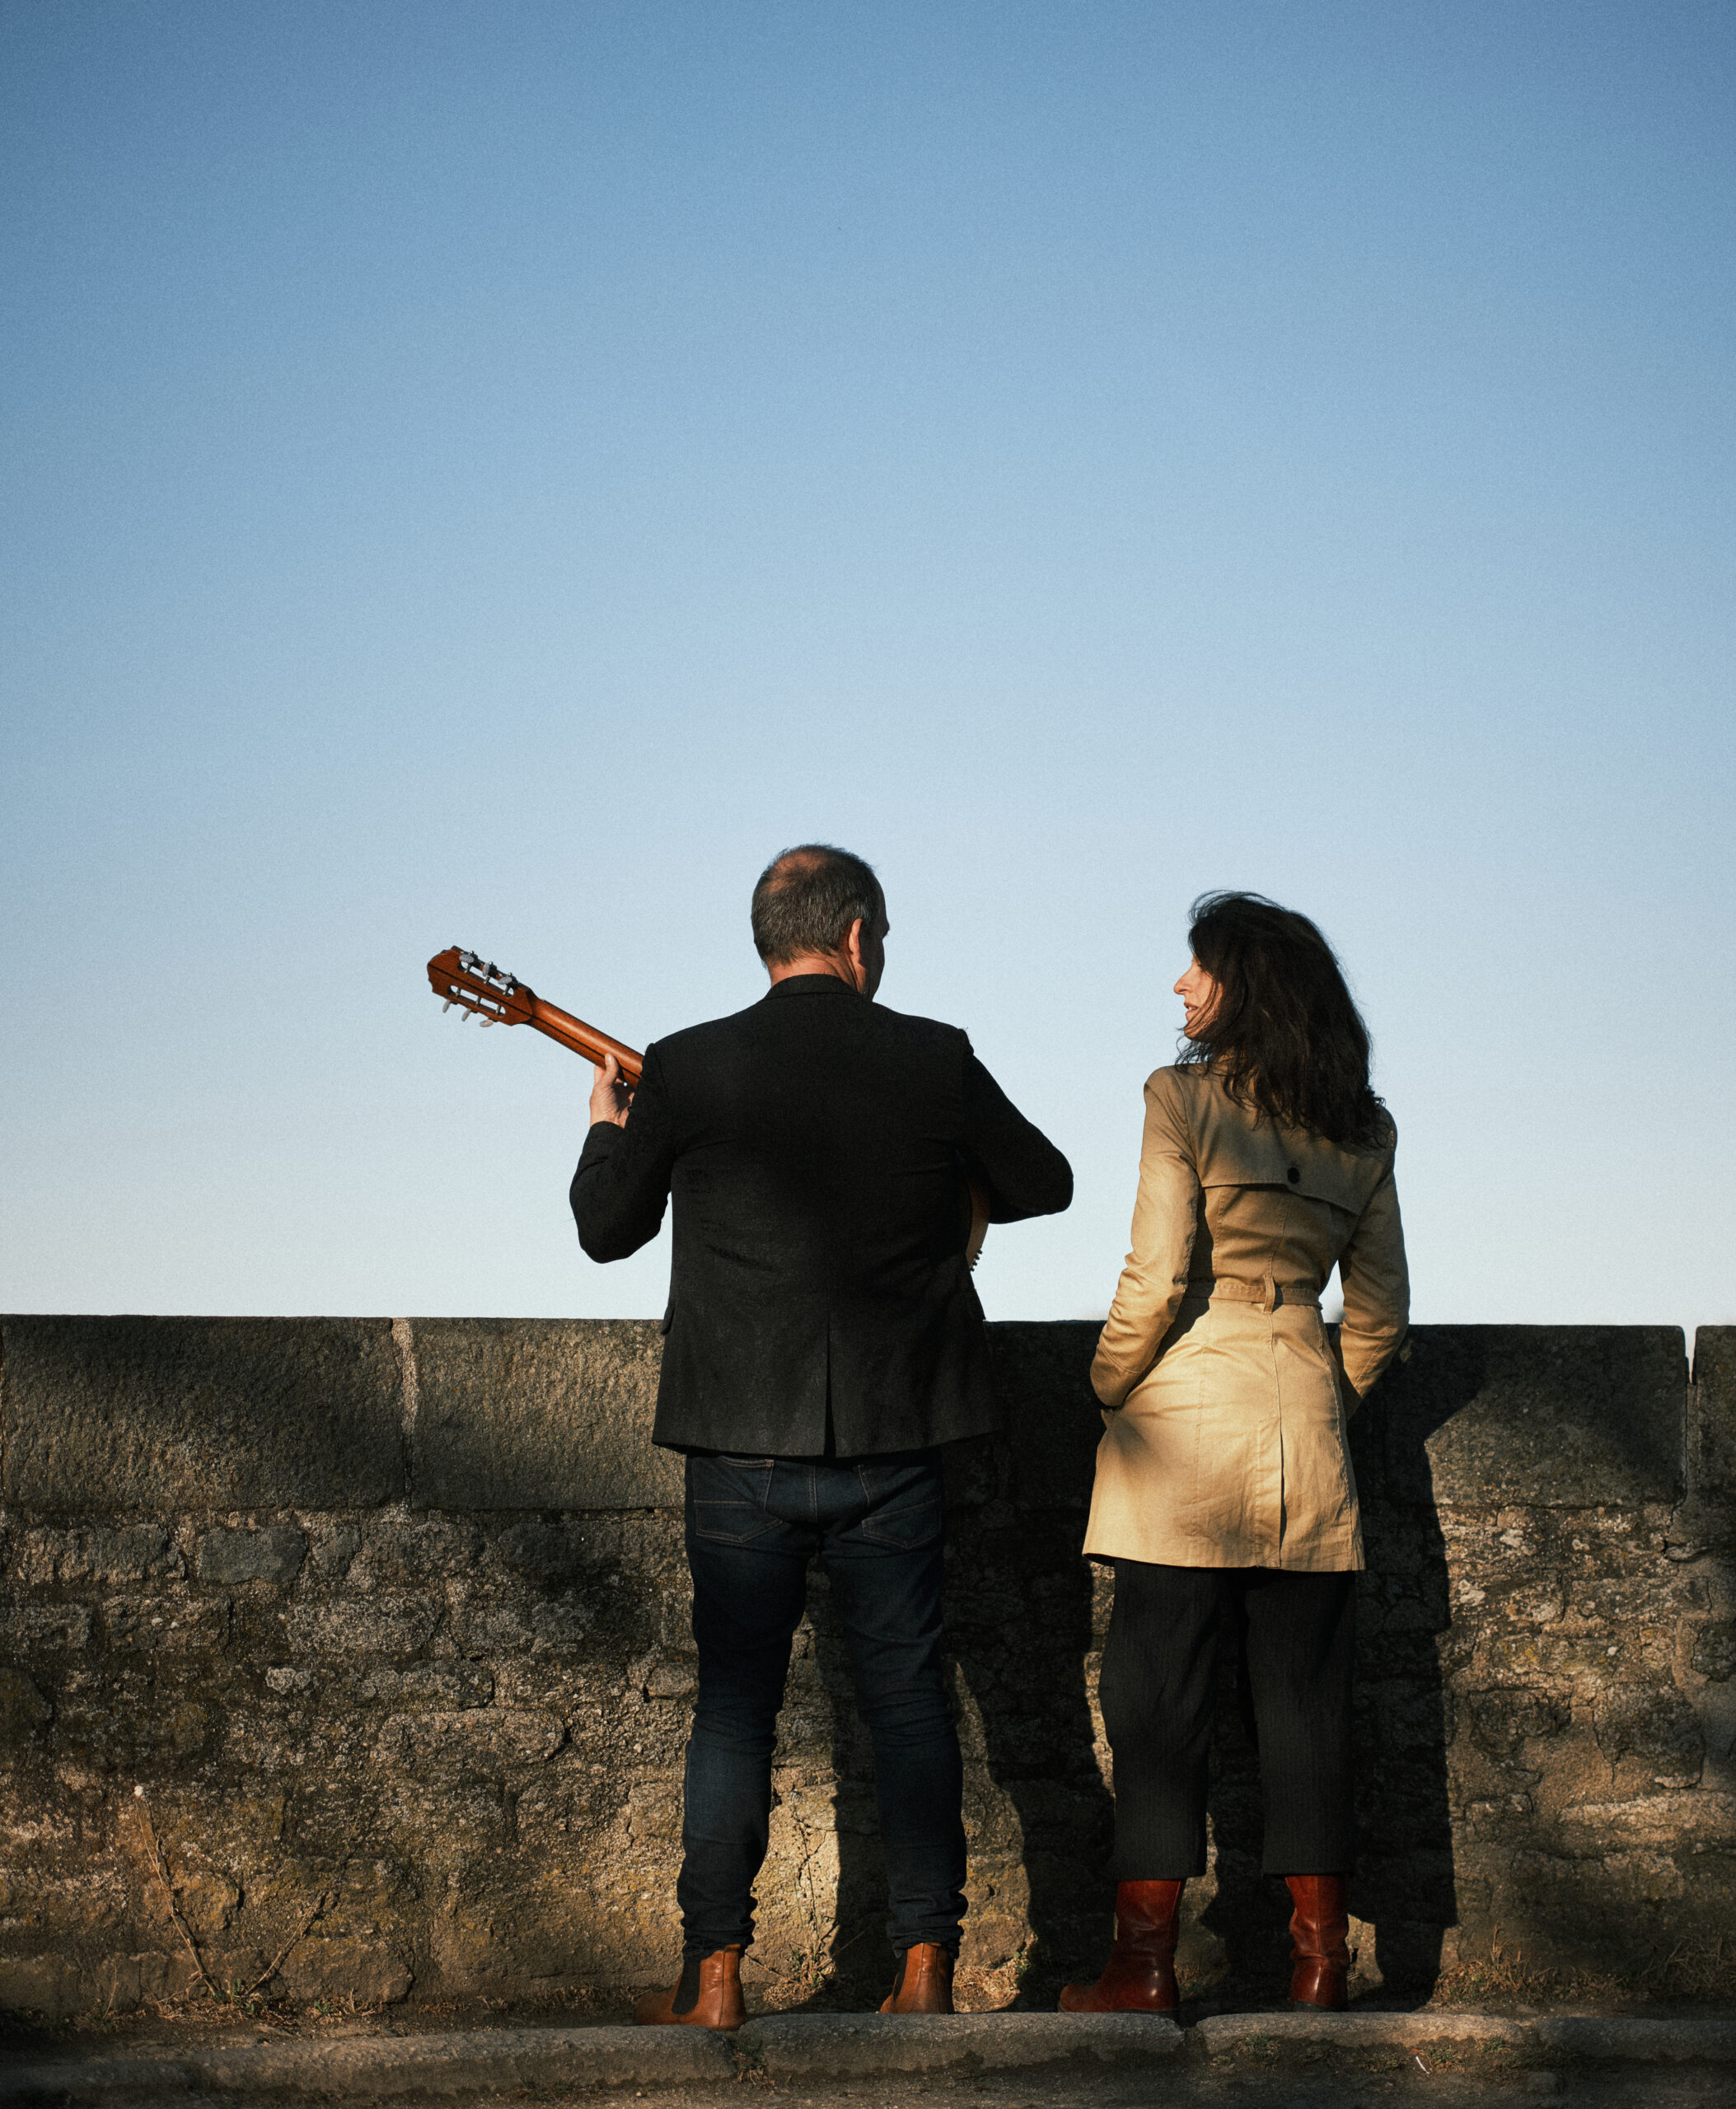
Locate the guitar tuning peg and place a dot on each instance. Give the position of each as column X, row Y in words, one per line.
column 447, row 1004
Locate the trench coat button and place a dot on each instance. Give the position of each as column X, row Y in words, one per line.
column 1294, row 1176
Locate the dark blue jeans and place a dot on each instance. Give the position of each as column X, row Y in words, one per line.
column 753, row 1524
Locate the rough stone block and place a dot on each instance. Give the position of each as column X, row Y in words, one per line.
column 201, row 1414
column 386, row 1629
column 40, row 1983
column 1542, row 1416
column 450, row 1687
column 1715, row 1410
column 1657, row 1727
column 1713, row 1656
column 354, row 1969
column 121, row 1984
column 538, row 1412
column 483, row 1739
column 24, row 1712
column 272, row 1555
column 1042, row 1375
column 1706, row 1818
column 139, row 1553
column 30, row 1630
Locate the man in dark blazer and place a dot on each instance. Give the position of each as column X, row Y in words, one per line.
column 822, row 1340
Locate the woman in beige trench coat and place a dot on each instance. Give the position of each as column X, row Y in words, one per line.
column 1224, row 1490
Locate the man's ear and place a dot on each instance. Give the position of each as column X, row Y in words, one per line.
column 852, row 949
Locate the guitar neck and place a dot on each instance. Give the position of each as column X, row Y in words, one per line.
column 582, row 1039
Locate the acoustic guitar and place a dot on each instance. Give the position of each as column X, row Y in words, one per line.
column 485, row 990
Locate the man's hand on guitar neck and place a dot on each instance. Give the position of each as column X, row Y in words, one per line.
column 611, row 1099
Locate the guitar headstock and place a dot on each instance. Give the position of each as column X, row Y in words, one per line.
column 478, row 985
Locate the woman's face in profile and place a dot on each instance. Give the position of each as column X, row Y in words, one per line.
column 1199, row 994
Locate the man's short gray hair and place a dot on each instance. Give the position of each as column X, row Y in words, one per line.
column 808, row 898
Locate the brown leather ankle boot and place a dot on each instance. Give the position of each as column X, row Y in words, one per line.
column 707, row 1995
column 1141, row 1974
column 1320, row 1942
column 924, row 1982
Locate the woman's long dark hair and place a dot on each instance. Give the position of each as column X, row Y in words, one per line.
column 1286, row 1036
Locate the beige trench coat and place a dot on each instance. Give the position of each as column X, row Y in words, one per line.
column 1224, row 1445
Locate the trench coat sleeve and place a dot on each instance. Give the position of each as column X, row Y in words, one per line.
column 1377, row 1293
column 622, row 1186
column 1165, row 1217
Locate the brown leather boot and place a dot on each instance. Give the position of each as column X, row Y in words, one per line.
column 1141, row 1974
column 924, row 1982
column 1320, row 1942
column 708, row 1994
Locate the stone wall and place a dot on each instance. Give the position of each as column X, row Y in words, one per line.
column 366, row 1640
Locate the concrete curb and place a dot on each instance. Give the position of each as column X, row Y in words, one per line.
column 1586, row 2036
column 442, row 2062
column 1708, row 2039
column 816, row 2045
column 91, row 2079
column 1220, row 2032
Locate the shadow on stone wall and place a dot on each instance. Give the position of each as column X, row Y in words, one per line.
column 1023, row 1626
column 1027, row 1614
column 1405, row 1887
column 179, row 1414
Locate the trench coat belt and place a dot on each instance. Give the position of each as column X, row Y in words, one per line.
column 1226, row 1289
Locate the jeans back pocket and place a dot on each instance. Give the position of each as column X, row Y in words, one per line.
column 906, row 1509
column 727, row 1498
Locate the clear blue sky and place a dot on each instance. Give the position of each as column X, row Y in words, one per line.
column 495, row 473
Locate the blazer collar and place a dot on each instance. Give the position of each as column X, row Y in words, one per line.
column 810, row 985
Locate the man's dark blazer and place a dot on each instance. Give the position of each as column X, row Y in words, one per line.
column 813, row 1145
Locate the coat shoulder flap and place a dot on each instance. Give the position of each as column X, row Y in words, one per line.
column 1237, row 1149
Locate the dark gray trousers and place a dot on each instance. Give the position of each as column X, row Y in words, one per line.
column 1166, row 1634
